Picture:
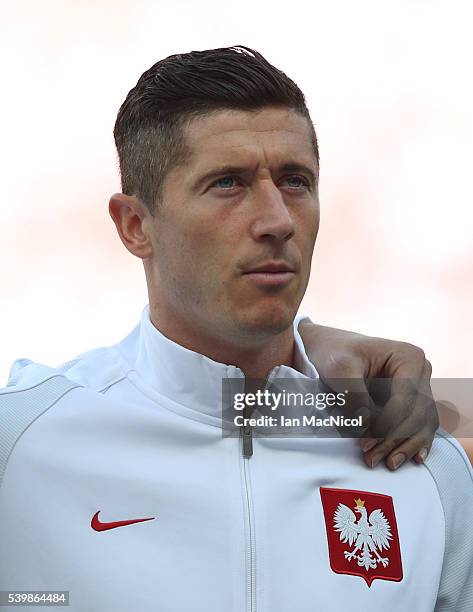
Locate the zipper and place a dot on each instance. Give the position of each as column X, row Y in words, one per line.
column 247, row 451
column 246, row 434
column 247, row 441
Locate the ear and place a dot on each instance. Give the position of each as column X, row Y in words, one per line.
column 130, row 215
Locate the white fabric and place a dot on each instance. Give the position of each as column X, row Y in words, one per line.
column 142, row 438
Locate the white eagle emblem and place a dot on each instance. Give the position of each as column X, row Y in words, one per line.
column 369, row 535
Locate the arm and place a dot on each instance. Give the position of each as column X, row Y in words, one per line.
column 409, row 417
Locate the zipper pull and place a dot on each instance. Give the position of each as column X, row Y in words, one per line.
column 247, row 434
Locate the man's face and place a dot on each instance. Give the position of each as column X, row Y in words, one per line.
column 234, row 232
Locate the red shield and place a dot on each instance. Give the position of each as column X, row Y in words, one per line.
column 362, row 534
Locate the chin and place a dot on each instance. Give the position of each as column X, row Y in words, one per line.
column 273, row 319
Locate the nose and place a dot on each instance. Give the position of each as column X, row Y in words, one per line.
column 272, row 219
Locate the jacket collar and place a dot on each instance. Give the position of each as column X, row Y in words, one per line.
column 187, row 377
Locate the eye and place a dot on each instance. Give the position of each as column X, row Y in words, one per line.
column 226, row 182
column 303, row 182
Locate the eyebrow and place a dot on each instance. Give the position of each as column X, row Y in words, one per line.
column 229, row 169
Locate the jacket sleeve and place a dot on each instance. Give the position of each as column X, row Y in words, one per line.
column 20, row 405
column 453, row 475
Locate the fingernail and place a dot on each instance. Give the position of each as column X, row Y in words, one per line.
column 398, row 459
column 367, row 444
column 423, row 454
column 375, row 459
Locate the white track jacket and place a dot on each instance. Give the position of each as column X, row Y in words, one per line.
column 117, row 485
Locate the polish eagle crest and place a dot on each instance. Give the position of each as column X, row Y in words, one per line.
column 370, row 536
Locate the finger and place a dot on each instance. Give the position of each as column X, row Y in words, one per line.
column 409, row 373
column 422, row 417
column 408, row 362
column 385, row 421
column 409, row 449
column 425, row 413
column 413, row 434
column 350, row 382
column 402, row 394
column 381, row 450
column 421, row 456
column 368, row 443
column 399, row 397
column 412, row 403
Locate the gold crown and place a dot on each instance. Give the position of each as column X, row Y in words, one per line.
column 360, row 503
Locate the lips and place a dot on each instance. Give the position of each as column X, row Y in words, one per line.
column 271, row 274
column 273, row 267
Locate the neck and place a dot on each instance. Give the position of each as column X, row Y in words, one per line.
column 256, row 358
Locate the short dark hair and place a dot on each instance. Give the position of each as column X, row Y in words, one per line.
column 149, row 127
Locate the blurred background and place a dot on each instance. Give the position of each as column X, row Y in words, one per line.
column 388, row 88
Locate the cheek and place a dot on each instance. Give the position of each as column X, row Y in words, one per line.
column 195, row 259
column 314, row 214
column 309, row 227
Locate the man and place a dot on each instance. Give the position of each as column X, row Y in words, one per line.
column 118, row 485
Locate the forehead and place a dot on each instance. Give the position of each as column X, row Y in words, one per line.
column 268, row 136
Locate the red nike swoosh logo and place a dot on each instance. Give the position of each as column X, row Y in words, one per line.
column 99, row 526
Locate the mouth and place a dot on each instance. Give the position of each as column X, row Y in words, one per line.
column 271, row 274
